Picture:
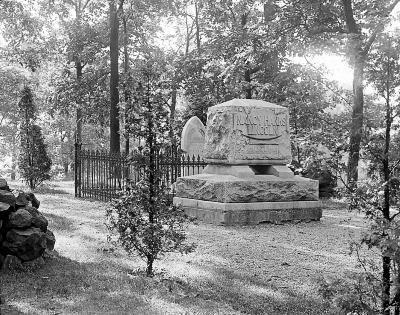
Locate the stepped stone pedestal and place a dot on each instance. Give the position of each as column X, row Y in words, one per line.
column 247, row 181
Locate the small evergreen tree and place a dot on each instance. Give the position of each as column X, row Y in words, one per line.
column 34, row 163
column 146, row 221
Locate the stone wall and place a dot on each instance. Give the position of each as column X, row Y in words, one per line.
column 24, row 236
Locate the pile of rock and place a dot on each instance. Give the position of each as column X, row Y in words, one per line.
column 23, row 229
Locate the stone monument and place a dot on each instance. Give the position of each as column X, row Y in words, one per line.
column 192, row 139
column 246, row 181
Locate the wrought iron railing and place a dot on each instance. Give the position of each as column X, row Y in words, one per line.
column 102, row 175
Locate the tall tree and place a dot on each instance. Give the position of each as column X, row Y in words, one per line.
column 11, row 78
column 360, row 48
column 79, row 41
column 384, row 72
column 350, row 25
column 114, row 78
column 378, row 198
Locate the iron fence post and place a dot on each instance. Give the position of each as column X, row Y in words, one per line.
column 77, row 177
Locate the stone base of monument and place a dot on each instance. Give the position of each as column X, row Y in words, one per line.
column 247, row 181
column 246, row 198
column 250, row 213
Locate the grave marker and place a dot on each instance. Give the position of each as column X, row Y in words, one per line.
column 246, row 181
column 193, row 137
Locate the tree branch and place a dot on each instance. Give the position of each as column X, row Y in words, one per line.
column 394, row 166
column 349, row 104
column 349, row 17
column 85, row 5
column 394, row 215
column 379, row 28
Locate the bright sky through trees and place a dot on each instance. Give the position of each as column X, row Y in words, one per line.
column 338, row 69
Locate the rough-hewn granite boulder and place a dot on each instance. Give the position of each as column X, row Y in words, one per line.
column 26, row 244
column 38, row 219
column 7, row 197
column 23, row 199
column 27, row 217
column 3, row 184
column 4, row 208
column 20, row 219
column 24, row 236
column 228, row 188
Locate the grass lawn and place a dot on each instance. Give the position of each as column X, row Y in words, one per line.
column 265, row 269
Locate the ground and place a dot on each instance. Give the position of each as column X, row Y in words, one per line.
column 264, row 269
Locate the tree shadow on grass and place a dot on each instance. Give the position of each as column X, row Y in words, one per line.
column 60, row 223
column 50, row 190
column 246, row 295
column 64, row 286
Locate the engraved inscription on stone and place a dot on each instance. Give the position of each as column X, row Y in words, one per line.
column 272, row 149
column 247, row 132
column 260, row 124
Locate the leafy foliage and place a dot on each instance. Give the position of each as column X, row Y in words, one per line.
column 378, row 197
column 144, row 218
column 148, row 226
column 352, row 294
column 34, row 163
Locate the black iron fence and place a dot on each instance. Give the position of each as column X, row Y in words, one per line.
column 102, row 175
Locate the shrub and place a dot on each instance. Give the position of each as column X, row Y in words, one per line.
column 34, row 163
column 148, row 225
column 144, row 218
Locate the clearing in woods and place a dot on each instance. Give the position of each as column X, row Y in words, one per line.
column 265, row 269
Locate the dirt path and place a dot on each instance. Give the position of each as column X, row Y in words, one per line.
column 235, row 270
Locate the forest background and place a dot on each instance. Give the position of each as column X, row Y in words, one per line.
column 84, row 60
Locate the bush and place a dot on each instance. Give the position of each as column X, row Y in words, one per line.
column 148, row 225
column 34, row 163
column 146, row 221
column 355, row 294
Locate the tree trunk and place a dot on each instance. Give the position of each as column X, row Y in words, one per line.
column 66, row 168
column 13, row 156
column 172, row 116
column 149, row 269
column 78, row 134
column 397, row 296
column 247, row 78
column 188, row 33
column 114, row 79
column 356, row 120
column 126, row 91
column 358, row 57
column 385, row 285
column 198, row 40
column 64, row 155
column 152, row 181
column 386, row 198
